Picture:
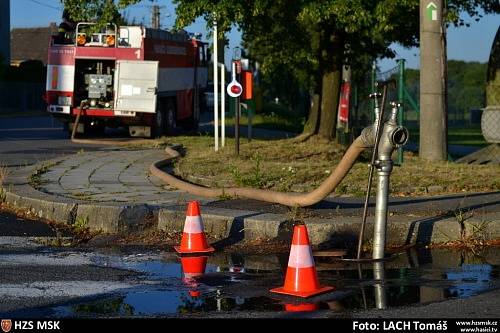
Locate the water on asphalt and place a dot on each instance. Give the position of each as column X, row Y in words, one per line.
column 173, row 286
column 37, row 280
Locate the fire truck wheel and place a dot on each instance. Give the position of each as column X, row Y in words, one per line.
column 171, row 118
column 159, row 121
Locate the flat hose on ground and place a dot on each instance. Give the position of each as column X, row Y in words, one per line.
column 287, row 199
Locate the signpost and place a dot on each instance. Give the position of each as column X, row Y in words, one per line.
column 216, row 89
column 234, row 90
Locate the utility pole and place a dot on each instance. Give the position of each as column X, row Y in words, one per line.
column 433, row 113
column 155, row 17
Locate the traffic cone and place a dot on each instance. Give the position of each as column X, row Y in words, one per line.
column 301, row 278
column 191, row 268
column 304, row 307
column 193, row 238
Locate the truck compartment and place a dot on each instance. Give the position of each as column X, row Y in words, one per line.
column 94, row 80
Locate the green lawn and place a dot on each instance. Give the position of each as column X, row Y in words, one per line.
column 457, row 136
column 272, row 122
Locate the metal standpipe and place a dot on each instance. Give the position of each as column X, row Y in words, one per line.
column 384, row 169
column 392, row 136
column 379, row 288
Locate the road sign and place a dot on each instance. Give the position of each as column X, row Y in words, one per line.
column 234, row 89
column 431, row 11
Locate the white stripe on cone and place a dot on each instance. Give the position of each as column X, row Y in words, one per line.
column 300, row 256
column 193, row 225
column 191, row 275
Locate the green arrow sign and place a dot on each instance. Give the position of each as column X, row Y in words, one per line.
column 431, row 11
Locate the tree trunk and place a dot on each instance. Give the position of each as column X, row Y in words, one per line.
column 322, row 118
column 329, row 103
column 312, row 125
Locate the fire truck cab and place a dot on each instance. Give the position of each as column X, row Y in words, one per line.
column 148, row 80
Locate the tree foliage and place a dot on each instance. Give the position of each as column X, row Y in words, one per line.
column 100, row 12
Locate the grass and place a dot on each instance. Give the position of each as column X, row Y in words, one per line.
column 287, row 165
column 3, row 174
column 272, row 122
column 36, row 178
column 457, row 136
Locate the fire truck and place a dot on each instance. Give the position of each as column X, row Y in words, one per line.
column 149, row 80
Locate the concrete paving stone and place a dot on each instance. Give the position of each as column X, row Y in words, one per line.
column 147, row 187
column 72, row 187
column 102, row 197
column 263, row 226
column 52, row 187
column 60, row 212
column 104, row 176
column 155, row 181
column 53, row 174
column 133, row 185
column 141, row 186
column 131, row 180
column 103, row 182
column 113, row 218
column 218, row 223
column 73, row 182
column 70, row 182
column 113, row 187
column 137, row 169
column 80, row 176
column 144, row 194
column 60, row 192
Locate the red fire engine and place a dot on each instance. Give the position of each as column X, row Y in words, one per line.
column 150, row 80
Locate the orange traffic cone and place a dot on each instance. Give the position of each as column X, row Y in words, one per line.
column 192, row 267
column 305, row 307
column 193, row 237
column 301, row 278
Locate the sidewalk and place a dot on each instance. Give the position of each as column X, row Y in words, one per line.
column 111, row 190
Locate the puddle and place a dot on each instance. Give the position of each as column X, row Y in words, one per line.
column 172, row 286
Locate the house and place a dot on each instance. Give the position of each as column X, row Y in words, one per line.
column 30, row 43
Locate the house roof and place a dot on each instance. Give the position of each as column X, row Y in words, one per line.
column 31, row 43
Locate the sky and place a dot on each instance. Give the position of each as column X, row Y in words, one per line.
column 464, row 43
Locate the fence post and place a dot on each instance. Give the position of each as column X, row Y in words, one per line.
column 401, row 100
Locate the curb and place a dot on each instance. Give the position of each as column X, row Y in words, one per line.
column 222, row 223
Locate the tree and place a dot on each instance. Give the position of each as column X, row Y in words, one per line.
column 314, row 39
column 99, row 11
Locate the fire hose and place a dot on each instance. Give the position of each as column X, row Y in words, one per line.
column 365, row 140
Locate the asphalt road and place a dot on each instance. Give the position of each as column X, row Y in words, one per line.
column 28, row 140
column 35, row 275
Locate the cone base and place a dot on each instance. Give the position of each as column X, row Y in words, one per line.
column 207, row 250
column 303, row 294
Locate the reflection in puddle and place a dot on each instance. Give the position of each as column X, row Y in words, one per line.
column 173, row 285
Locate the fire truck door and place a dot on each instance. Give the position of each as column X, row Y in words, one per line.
column 136, row 84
